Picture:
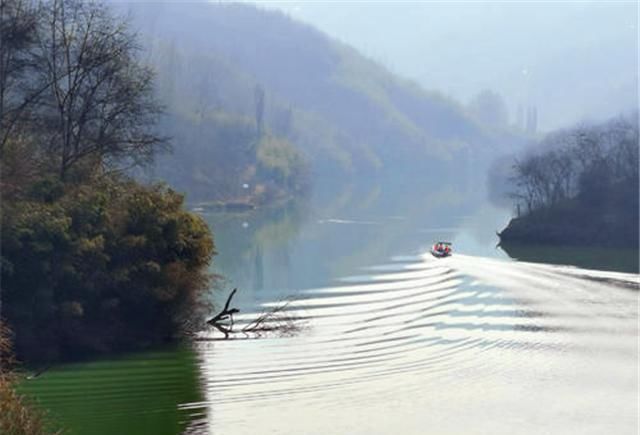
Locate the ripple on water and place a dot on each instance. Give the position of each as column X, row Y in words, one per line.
column 394, row 348
column 418, row 331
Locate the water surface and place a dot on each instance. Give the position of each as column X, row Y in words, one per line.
column 394, row 340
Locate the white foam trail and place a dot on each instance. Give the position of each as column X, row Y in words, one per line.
column 459, row 345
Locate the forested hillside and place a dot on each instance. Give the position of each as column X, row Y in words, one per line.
column 579, row 186
column 263, row 74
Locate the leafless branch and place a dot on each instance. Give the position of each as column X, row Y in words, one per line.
column 275, row 320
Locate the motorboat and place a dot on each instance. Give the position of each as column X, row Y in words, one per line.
column 441, row 249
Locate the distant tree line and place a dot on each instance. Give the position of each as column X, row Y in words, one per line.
column 92, row 261
column 591, row 163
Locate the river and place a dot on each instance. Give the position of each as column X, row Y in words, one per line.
column 391, row 340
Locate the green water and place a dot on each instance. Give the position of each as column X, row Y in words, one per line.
column 269, row 255
column 130, row 395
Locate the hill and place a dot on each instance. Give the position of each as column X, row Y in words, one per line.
column 348, row 116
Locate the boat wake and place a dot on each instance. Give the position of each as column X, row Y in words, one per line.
column 460, row 344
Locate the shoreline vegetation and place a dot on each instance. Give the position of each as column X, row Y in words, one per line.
column 241, row 204
column 578, row 187
column 93, row 261
column 17, row 415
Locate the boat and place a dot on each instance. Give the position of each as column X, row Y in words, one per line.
column 441, row 249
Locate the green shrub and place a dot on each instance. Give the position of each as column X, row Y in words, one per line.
column 110, row 265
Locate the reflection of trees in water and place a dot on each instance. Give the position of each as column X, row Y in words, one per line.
column 621, row 260
column 249, row 242
column 259, row 267
column 280, row 250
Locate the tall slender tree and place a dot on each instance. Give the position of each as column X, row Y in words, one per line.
column 259, row 100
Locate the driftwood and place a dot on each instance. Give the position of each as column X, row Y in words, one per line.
column 225, row 314
column 274, row 321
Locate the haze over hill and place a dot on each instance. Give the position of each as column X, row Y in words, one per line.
column 573, row 60
column 348, row 115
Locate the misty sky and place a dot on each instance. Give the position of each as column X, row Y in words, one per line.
column 573, row 60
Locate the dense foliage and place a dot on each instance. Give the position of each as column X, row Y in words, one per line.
column 102, row 266
column 91, row 260
column 221, row 157
column 593, row 163
column 580, row 186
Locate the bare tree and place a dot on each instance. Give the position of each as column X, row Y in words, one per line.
column 586, row 160
column 18, row 25
column 99, row 108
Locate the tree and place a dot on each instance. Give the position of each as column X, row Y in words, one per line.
column 489, row 108
column 592, row 162
column 99, row 108
column 18, row 25
column 103, row 266
column 259, row 100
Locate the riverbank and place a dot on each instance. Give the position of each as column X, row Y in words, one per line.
column 573, row 223
column 595, row 258
column 276, row 198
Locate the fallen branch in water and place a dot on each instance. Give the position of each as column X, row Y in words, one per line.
column 273, row 321
column 276, row 320
column 225, row 314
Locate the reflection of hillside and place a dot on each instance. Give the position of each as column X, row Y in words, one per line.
column 273, row 253
column 622, row 260
column 400, row 210
column 248, row 243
